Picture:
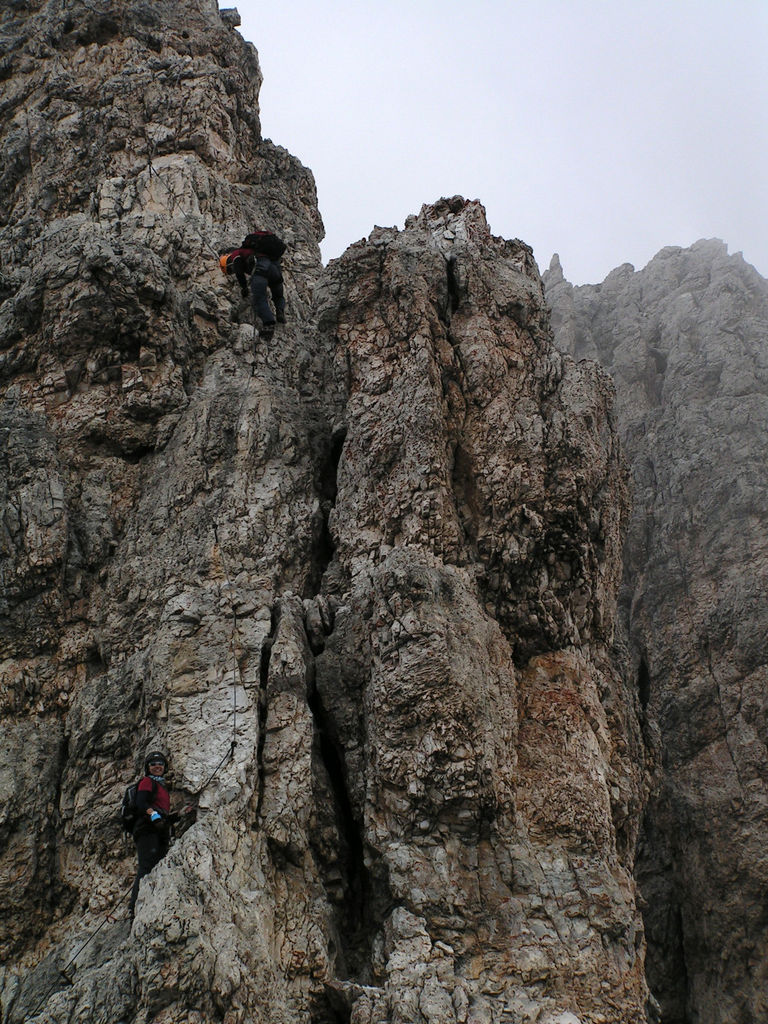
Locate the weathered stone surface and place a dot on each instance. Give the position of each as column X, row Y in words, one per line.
column 685, row 340
column 140, row 563
column 460, row 552
column 360, row 584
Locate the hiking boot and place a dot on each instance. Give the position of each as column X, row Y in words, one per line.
column 267, row 332
column 280, row 318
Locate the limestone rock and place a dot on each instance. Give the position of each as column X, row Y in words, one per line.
column 360, row 583
column 454, row 762
column 685, row 341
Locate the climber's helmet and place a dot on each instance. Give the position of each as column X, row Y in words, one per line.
column 154, row 759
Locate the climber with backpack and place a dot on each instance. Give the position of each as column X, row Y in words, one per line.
column 146, row 814
column 259, row 256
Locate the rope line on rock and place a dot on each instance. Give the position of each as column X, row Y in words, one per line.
column 108, row 919
column 173, row 201
column 235, row 636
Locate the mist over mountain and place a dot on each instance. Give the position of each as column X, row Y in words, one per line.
column 444, row 603
column 686, row 342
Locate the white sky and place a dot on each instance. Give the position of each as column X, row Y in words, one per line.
column 599, row 129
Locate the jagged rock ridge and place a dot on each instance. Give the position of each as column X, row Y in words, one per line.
column 685, row 341
column 360, row 584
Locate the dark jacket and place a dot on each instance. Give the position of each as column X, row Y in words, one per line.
column 260, row 253
column 242, row 262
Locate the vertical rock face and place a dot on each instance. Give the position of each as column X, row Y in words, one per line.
column 477, row 526
column 685, row 340
column 359, row 584
column 153, row 489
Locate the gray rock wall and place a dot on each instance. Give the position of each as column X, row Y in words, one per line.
column 479, row 587
column 359, row 582
column 686, row 340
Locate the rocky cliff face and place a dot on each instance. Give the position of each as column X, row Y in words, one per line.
column 685, row 341
column 359, row 582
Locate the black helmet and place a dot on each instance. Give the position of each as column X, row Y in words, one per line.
column 155, row 756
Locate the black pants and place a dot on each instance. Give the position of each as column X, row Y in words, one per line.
column 151, row 847
column 267, row 274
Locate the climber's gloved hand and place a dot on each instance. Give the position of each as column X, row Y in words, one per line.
column 154, row 816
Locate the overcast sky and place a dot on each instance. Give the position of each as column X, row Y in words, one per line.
column 599, row 129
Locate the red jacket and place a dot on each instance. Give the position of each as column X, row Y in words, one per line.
column 160, row 801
